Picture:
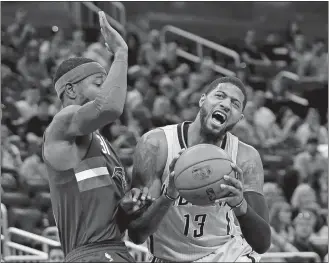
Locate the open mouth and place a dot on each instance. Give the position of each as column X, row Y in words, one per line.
column 219, row 117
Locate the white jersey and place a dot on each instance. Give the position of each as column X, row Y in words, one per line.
column 188, row 232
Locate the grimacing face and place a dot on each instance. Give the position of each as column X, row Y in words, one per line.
column 221, row 109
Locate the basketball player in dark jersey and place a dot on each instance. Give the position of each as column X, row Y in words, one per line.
column 87, row 180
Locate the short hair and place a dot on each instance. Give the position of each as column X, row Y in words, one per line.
column 232, row 80
column 68, row 65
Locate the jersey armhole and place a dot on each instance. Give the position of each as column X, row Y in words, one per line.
column 43, row 149
column 168, row 133
column 43, row 144
column 89, row 146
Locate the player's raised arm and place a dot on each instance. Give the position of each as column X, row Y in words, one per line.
column 149, row 163
column 86, row 106
column 109, row 102
column 248, row 202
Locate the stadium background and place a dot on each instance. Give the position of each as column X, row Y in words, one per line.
column 279, row 49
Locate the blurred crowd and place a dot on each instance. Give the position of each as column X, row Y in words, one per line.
column 165, row 89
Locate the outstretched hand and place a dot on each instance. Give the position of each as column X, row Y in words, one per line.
column 113, row 40
column 135, row 200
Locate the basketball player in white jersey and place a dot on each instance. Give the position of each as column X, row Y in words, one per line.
column 180, row 231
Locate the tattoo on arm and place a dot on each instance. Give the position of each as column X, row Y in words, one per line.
column 145, row 161
column 253, row 175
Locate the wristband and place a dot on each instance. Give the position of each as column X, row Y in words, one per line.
column 238, row 205
column 169, row 197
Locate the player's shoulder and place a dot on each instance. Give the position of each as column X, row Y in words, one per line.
column 63, row 117
column 60, row 125
column 247, row 152
column 155, row 137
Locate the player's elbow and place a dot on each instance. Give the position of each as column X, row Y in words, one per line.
column 112, row 109
column 264, row 243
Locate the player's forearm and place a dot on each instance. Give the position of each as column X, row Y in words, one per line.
column 109, row 103
column 255, row 230
column 112, row 96
column 145, row 225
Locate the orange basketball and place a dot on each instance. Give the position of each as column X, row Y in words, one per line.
column 199, row 172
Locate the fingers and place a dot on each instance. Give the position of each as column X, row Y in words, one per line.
column 233, row 181
column 232, row 189
column 237, row 170
column 102, row 20
column 135, row 194
column 145, row 194
column 226, row 199
column 173, row 162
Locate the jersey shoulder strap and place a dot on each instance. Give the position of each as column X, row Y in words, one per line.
column 232, row 146
column 170, row 132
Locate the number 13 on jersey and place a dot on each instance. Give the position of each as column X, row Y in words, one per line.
column 199, row 219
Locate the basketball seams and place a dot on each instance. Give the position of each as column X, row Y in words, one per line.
column 213, row 182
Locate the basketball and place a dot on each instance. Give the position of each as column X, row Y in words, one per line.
column 200, row 171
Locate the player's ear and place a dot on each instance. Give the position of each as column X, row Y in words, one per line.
column 70, row 91
column 241, row 117
column 202, row 99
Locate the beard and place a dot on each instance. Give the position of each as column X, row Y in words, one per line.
column 210, row 135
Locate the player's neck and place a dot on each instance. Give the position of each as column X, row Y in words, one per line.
column 196, row 136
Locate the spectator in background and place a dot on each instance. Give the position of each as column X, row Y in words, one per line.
column 279, row 244
column 33, row 173
column 264, row 118
column 251, row 54
column 56, row 255
column 309, row 162
column 55, row 105
column 298, row 51
column 20, row 32
column 285, row 129
column 28, row 107
column 292, row 30
column 273, row 194
column 152, row 52
column 246, row 129
column 50, row 50
column 137, row 94
column 197, row 81
column 275, row 50
column 312, row 127
column 98, row 52
column 10, row 158
column 280, row 220
column 134, row 45
column 32, row 68
column 78, row 44
column 304, row 224
column 141, row 121
column 314, row 66
column 302, row 197
column 319, row 182
column 9, row 54
column 37, row 125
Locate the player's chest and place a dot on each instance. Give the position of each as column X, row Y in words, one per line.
column 101, row 154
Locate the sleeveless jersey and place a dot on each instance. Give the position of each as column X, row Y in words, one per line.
column 85, row 199
column 188, row 232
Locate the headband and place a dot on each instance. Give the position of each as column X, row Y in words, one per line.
column 77, row 74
